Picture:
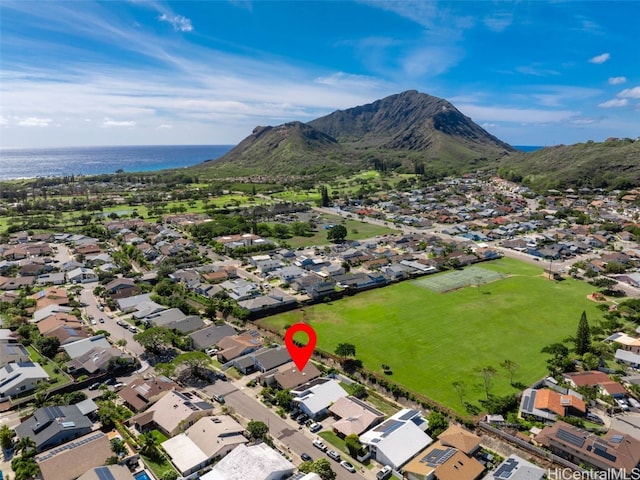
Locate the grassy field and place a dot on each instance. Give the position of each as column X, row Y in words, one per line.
column 356, row 230
column 432, row 339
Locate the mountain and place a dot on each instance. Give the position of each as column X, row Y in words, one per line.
column 403, row 130
column 613, row 164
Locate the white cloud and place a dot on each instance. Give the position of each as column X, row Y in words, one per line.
column 3, row 121
column 34, row 122
column 165, row 126
column 488, row 125
column 345, row 79
column 630, row 93
column 598, row 59
column 583, row 121
column 614, row 103
column 108, row 122
column 179, row 23
column 536, row 69
column 617, row 80
column 430, row 61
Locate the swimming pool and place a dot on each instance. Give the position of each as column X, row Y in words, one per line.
column 143, row 475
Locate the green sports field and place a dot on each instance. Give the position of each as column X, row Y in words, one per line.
column 432, row 339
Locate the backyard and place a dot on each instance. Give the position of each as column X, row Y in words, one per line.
column 430, row 340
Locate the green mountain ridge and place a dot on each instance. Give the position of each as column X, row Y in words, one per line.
column 406, row 129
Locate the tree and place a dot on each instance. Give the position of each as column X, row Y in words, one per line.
column 583, row 335
column 25, row 467
column 324, row 196
column 352, row 442
column 487, row 374
column 257, row 429
column 358, row 390
column 460, row 387
column 118, row 447
column 154, row 338
column 48, row 346
column 149, row 445
column 6, row 437
column 438, row 423
column 169, row 475
column 121, row 342
column 559, row 361
column 284, row 399
column 344, row 350
column 511, row 367
column 321, row 467
column 25, row 445
column 590, row 361
column 337, row 233
column 196, row 361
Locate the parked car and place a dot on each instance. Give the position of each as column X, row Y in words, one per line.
column 633, row 402
column 101, row 320
column 218, row 398
column 315, row 427
column 94, row 386
column 319, row 445
column 93, row 322
column 302, row 418
column 306, row 457
column 119, row 385
column 592, row 417
column 133, row 329
column 346, row 465
column 384, row 473
column 622, row 404
column 333, row 454
column 221, row 376
column 211, row 351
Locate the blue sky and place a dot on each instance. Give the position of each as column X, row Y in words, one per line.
column 149, row 72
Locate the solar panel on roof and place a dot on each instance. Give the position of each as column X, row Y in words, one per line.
column 529, row 402
column 601, row 451
column 506, row 469
column 408, row 415
column 617, row 438
column 104, row 473
column 571, row 438
column 437, row 456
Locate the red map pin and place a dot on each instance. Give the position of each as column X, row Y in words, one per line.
column 300, row 355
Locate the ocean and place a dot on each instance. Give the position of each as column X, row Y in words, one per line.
column 527, row 148
column 18, row 163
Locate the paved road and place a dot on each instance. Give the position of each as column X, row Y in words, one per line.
column 117, row 332
column 244, row 402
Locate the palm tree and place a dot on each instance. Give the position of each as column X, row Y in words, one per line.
column 149, row 445
column 24, row 445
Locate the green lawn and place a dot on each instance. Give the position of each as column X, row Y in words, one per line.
column 57, row 376
column 356, row 230
column 431, row 340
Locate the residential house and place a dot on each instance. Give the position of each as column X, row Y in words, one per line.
column 262, row 360
column 627, row 342
column 442, row 462
column 108, row 472
column 49, row 311
column 516, row 468
column 73, row 459
column 52, row 426
column 238, row 345
column 171, row 413
column 289, row 377
column 174, row 319
column 256, row 462
column 17, row 283
column 121, row 288
column 67, row 334
column 141, row 394
column 315, row 397
column 97, row 359
column 54, row 278
column 630, row 358
column 274, row 299
column 545, row 404
column 208, row 440
column 460, row 438
column 50, row 296
column 20, row 378
column 82, row 275
column 596, row 379
column 129, row 304
column 210, row 336
column 59, row 320
column 13, row 353
column 398, row 439
column 614, row 451
column 80, row 347
column 354, row 416
column 240, row 289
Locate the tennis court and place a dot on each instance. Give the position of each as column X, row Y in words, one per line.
column 445, row 282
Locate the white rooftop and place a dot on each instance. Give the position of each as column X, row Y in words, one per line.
column 257, row 462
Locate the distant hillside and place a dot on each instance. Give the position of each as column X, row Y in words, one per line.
column 410, row 130
column 614, row 163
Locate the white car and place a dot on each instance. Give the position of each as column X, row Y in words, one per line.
column 346, row 465
column 315, row 427
column 318, row 444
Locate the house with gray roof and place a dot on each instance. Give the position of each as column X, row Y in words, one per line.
column 18, row 378
column 210, row 336
column 80, row 347
column 130, row 304
column 49, row 310
column 95, row 360
column 13, row 352
column 51, row 426
column 82, row 275
column 174, row 319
